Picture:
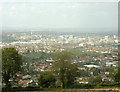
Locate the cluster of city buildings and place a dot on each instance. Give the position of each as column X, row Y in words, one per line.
column 91, row 51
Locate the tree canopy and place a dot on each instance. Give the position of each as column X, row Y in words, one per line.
column 64, row 69
column 46, row 79
column 95, row 80
column 115, row 73
column 11, row 64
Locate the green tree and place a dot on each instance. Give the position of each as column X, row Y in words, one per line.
column 95, row 71
column 117, row 76
column 95, row 80
column 46, row 79
column 64, row 69
column 11, row 64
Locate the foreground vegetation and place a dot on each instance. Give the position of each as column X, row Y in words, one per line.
column 62, row 74
column 81, row 88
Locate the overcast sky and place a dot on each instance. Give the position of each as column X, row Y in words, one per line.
column 60, row 15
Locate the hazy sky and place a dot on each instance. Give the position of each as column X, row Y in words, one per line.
column 60, row 15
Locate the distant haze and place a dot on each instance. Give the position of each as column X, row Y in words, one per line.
column 82, row 16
